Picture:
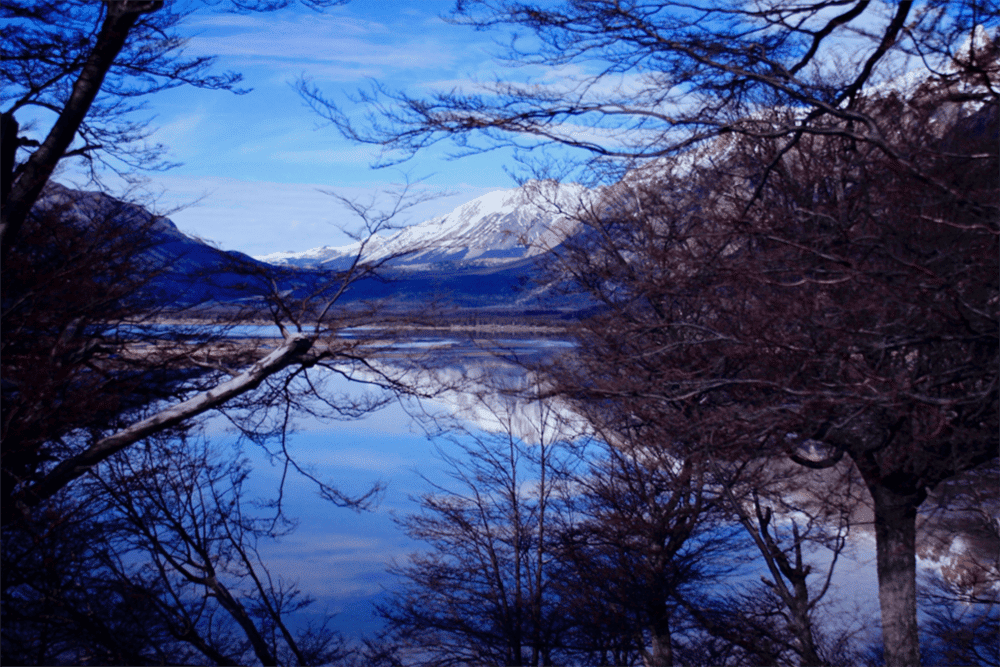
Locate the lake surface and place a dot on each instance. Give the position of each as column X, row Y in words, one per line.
column 337, row 555
column 340, row 556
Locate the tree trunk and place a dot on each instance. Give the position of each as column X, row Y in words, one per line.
column 8, row 153
column 895, row 545
column 660, row 653
column 21, row 195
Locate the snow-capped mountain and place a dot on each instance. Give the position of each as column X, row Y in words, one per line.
column 495, row 229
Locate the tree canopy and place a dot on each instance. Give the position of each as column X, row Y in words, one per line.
column 638, row 80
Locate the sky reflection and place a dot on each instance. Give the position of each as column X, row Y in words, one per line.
column 340, row 556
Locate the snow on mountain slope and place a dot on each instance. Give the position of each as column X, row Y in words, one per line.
column 499, row 227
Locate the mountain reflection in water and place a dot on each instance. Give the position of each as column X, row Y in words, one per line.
column 340, row 557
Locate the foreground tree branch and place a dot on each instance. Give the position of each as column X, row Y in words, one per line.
column 650, row 80
column 119, row 19
column 293, row 350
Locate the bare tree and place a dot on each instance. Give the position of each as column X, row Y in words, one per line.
column 824, row 269
column 185, row 524
column 74, row 303
column 799, row 522
column 61, row 604
column 84, row 356
column 653, row 532
column 552, row 551
column 90, row 371
column 845, row 308
column 88, row 65
column 640, row 538
column 86, row 373
column 651, row 79
column 483, row 592
column 154, row 559
column 83, row 303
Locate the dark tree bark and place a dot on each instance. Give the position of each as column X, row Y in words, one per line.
column 119, row 19
column 896, row 554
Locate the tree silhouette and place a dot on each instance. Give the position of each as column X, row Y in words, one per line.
column 483, row 592
column 89, row 65
column 841, row 308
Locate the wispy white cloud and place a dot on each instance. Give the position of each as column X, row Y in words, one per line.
column 358, row 458
column 349, row 48
column 333, row 18
column 179, row 131
column 253, row 164
column 336, row 564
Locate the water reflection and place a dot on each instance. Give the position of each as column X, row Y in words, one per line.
column 340, row 556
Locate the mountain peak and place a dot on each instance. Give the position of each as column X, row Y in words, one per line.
column 494, row 229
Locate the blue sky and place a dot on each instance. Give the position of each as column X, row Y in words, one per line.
column 252, row 164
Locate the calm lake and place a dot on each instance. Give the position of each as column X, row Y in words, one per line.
column 340, row 557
